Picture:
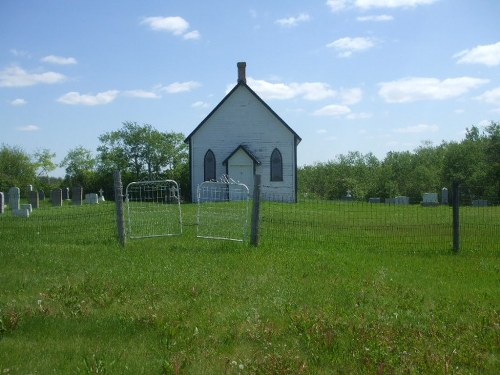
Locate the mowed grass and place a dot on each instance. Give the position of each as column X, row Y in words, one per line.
column 72, row 301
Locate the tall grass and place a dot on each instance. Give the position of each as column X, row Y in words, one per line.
column 78, row 304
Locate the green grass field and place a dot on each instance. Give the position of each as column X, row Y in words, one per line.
column 72, row 301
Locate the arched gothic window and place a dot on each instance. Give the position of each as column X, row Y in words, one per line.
column 276, row 166
column 209, row 166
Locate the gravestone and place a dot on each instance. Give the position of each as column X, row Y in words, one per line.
column 444, row 196
column 34, row 199
column 429, row 199
column 2, row 203
column 26, row 206
column 374, row 200
column 65, row 193
column 402, row 200
column 22, row 212
column 14, row 196
column 77, row 195
column 56, row 197
column 91, row 198
column 101, row 196
column 480, row 203
column 41, row 195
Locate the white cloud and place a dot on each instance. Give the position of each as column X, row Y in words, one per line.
column 177, row 87
column 347, row 46
column 28, row 128
column 75, row 98
column 351, row 96
column 333, row 110
column 195, row 34
column 18, row 102
column 307, row 90
column 420, row 88
column 15, row 76
column 142, row 94
column 491, row 96
column 375, row 18
column 175, row 25
column 199, row 104
column 59, row 60
column 293, row 21
column 339, row 5
column 420, row 128
column 487, row 54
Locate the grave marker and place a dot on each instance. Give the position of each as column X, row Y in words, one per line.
column 56, row 197
column 480, row 203
column 444, row 196
column 34, row 199
column 429, row 199
column 77, row 195
column 14, row 196
column 41, row 194
column 2, row 203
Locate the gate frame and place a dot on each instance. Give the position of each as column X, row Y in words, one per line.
column 177, row 196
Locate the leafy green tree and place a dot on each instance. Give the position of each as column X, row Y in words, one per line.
column 80, row 167
column 142, row 152
column 44, row 163
column 16, row 167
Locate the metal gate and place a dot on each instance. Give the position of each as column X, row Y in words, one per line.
column 153, row 209
column 222, row 210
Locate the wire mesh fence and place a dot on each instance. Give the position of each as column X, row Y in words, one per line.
column 66, row 224
column 392, row 224
column 398, row 225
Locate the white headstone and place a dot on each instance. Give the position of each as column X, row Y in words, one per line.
column 402, row 200
column 91, row 198
column 14, row 196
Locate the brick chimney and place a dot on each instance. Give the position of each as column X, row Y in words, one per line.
column 241, row 72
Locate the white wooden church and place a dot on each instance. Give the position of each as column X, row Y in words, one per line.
column 241, row 137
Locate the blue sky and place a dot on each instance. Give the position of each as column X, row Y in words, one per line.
column 346, row 75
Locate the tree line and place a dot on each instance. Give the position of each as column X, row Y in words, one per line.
column 143, row 153
column 140, row 152
column 474, row 162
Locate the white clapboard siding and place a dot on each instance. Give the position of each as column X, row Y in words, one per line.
column 242, row 119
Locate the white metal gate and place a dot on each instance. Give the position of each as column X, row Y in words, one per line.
column 222, row 210
column 153, row 209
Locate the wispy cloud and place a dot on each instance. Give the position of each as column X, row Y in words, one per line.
column 15, row 76
column 59, row 60
column 484, row 54
column 75, row 98
column 333, row 110
column 277, row 90
column 178, row 87
column 420, row 88
column 175, row 25
column 199, row 104
column 339, row 5
column 293, row 21
column 491, row 96
column 28, row 128
column 347, row 46
column 375, row 18
column 420, row 128
column 17, row 102
column 141, row 94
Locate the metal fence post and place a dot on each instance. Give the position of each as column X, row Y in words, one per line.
column 120, row 222
column 255, row 225
column 456, row 216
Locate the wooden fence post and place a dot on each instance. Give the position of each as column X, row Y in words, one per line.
column 456, row 216
column 120, row 222
column 255, row 225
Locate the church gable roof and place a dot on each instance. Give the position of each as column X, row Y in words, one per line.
column 242, row 83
